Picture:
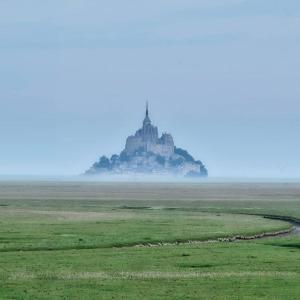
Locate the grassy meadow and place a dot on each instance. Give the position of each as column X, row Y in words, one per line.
column 94, row 240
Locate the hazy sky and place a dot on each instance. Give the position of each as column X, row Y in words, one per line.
column 223, row 76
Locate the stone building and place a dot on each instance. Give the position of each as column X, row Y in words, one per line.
column 146, row 139
column 148, row 153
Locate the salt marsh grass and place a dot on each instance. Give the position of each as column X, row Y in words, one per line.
column 75, row 240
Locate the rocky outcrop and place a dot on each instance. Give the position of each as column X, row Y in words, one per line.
column 147, row 153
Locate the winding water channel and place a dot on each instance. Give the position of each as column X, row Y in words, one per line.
column 295, row 230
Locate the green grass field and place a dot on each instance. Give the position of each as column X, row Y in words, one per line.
column 92, row 241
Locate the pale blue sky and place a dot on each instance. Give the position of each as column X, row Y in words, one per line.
column 222, row 76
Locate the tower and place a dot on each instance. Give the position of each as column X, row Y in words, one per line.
column 147, row 112
column 147, row 120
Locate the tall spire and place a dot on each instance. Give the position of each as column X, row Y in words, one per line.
column 147, row 112
column 147, row 120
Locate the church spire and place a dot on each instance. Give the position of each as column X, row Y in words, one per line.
column 147, row 120
column 147, row 111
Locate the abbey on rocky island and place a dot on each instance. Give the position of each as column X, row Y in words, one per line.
column 147, row 153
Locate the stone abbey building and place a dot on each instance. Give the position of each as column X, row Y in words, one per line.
column 148, row 153
column 146, row 139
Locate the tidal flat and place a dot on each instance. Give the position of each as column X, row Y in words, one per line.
column 92, row 240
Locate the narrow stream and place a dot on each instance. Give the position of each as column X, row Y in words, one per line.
column 295, row 223
column 297, row 228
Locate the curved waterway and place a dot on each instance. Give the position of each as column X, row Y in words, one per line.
column 293, row 221
column 292, row 231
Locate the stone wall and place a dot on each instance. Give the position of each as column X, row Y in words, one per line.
column 162, row 150
column 133, row 144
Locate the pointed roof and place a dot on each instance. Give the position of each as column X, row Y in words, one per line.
column 147, row 119
column 147, row 112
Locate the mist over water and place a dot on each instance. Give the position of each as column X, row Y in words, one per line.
column 142, row 179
